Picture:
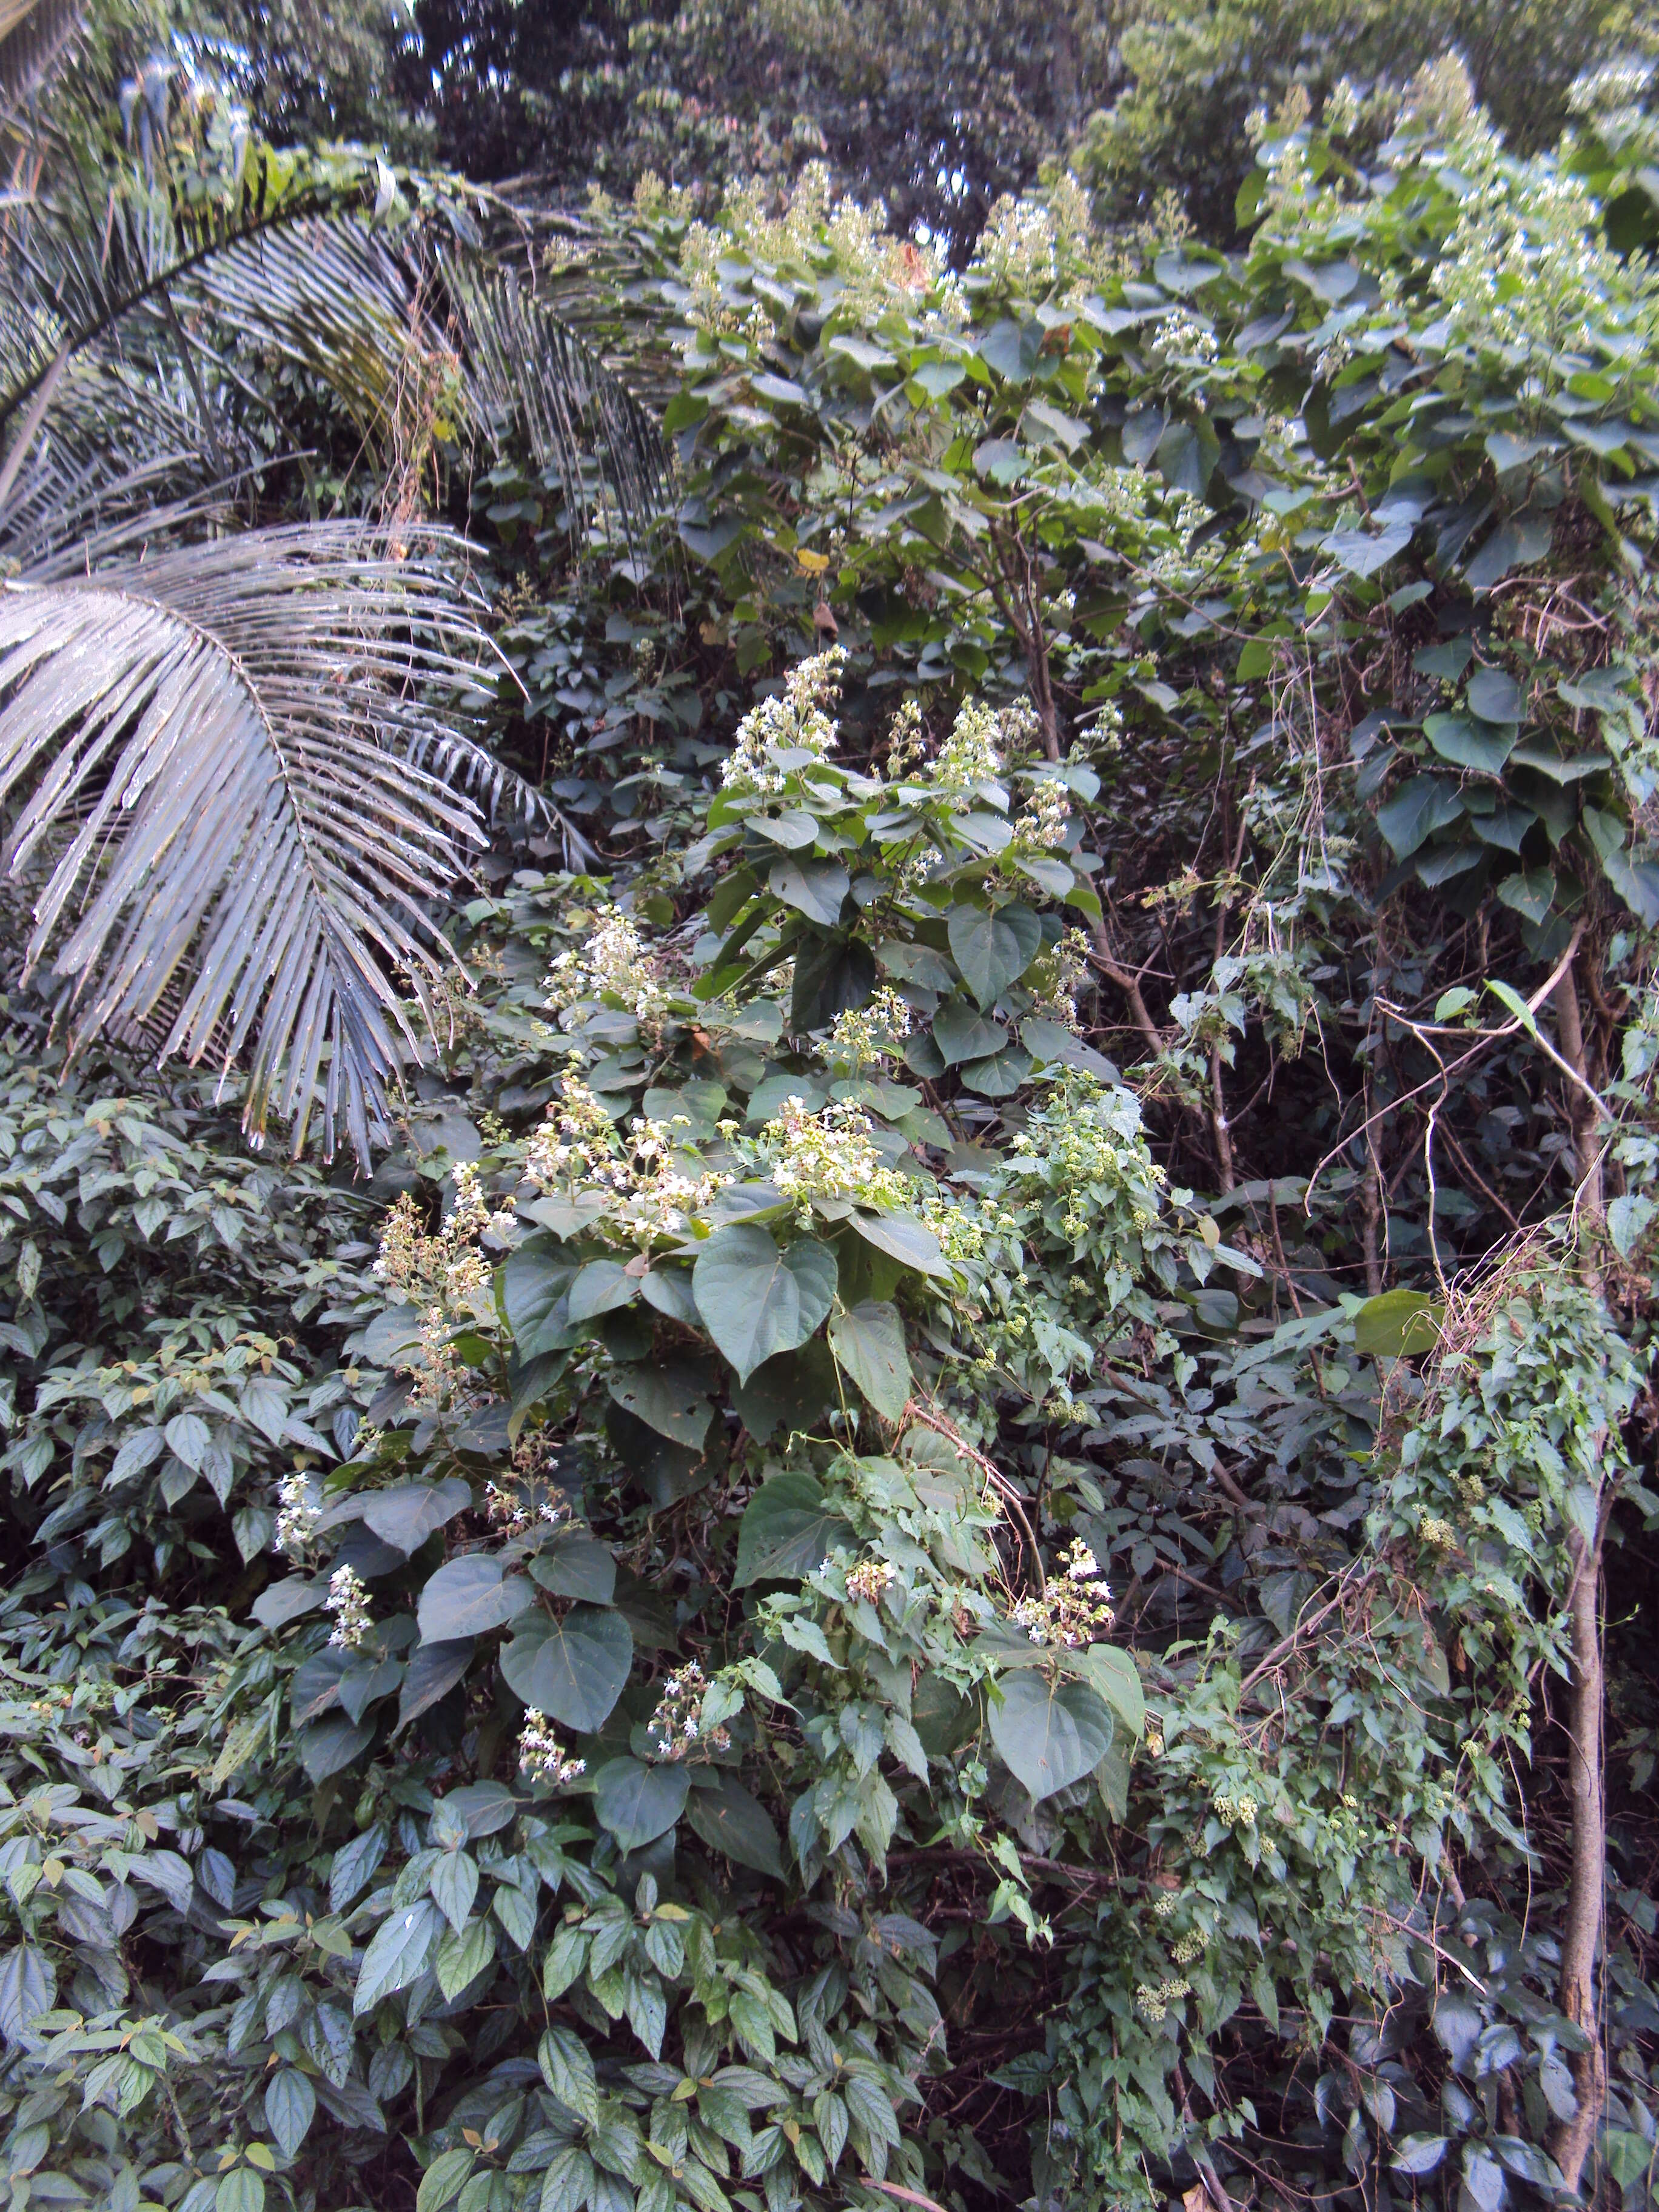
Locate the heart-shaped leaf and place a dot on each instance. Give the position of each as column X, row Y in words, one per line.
column 993, row 947
column 1049, row 1734
column 637, row 1802
column 758, row 1299
column 573, row 1669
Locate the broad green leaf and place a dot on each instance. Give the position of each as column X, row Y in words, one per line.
column 903, row 1237
column 962, row 1033
column 600, row 1288
column 571, row 1669
column 1426, row 803
column 787, row 1529
column 667, row 1396
column 291, row 2107
column 869, row 1344
column 410, row 1512
column 1483, row 746
column 441, row 2182
column 354, row 1866
column 1398, row 1324
column 534, row 1286
column 1495, row 696
column 433, row 1671
column 462, row 1955
column 814, row 888
column 453, row 1885
column 1049, row 1734
column 398, row 1953
column 567, row 2070
column 993, row 949
column 241, row 2190
column 1112, row 1672
column 733, row 1822
column 579, row 1567
column 637, row 1802
column 468, row 1596
column 758, row 1300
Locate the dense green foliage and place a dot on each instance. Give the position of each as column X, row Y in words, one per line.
column 926, row 1524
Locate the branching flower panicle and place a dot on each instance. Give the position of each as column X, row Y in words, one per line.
column 612, row 965
column 1075, row 1610
column 348, row 1601
column 876, row 1031
column 541, row 1755
column 676, row 1728
column 794, row 721
column 829, row 1154
column 297, row 1514
column 870, row 1579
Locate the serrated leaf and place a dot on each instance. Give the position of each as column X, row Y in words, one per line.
column 398, row 1955
column 291, row 2107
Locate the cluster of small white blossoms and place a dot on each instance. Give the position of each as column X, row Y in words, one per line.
column 578, row 1147
column 1190, row 1947
column 828, row 1154
column 1237, row 1812
column 1151, row 2004
column 348, row 1601
column 794, row 720
column 664, row 1201
column 875, row 1030
column 1017, row 244
column 541, row 1755
column 513, row 1509
column 1081, row 1151
column 1075, row 1609
column 297, row 1516
column 1180, row 340
column 612, row 965
column 974, row 750
column 1044, row 823
column 1440, row 1534
column 676, row 1728
column 1060, row 976
column 441, row 1273
column 870, row 1579
column 576, row 1144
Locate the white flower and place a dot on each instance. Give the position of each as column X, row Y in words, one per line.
column 870, row 1579
column 540, row 1755
column 299, row 1515
column 348, row 1601
column 792, row 722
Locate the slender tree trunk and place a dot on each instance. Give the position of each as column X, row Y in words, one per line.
column 1581, row 1940
column 1586, row 1145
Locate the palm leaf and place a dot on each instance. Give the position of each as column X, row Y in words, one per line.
column 35, row 35
column 209, row 755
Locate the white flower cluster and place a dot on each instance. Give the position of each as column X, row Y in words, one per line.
column 971, row 755
column 1017, row 244
column 348, row 1601
column 874, row 1031
column 1060, row 976
column 442, row 1274
column 1073, row 1611
column 578, row 1147
column 577, row 1143
column 794, row 722
column 829, row 1154
column 870, row 1579
column 1237, row 1812
column 612, row 965
column 1151, row 2004
column 298, row 1515
column 676, row 1728
column 541, row 1756
column 1045, row 821
column 1180, row 340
